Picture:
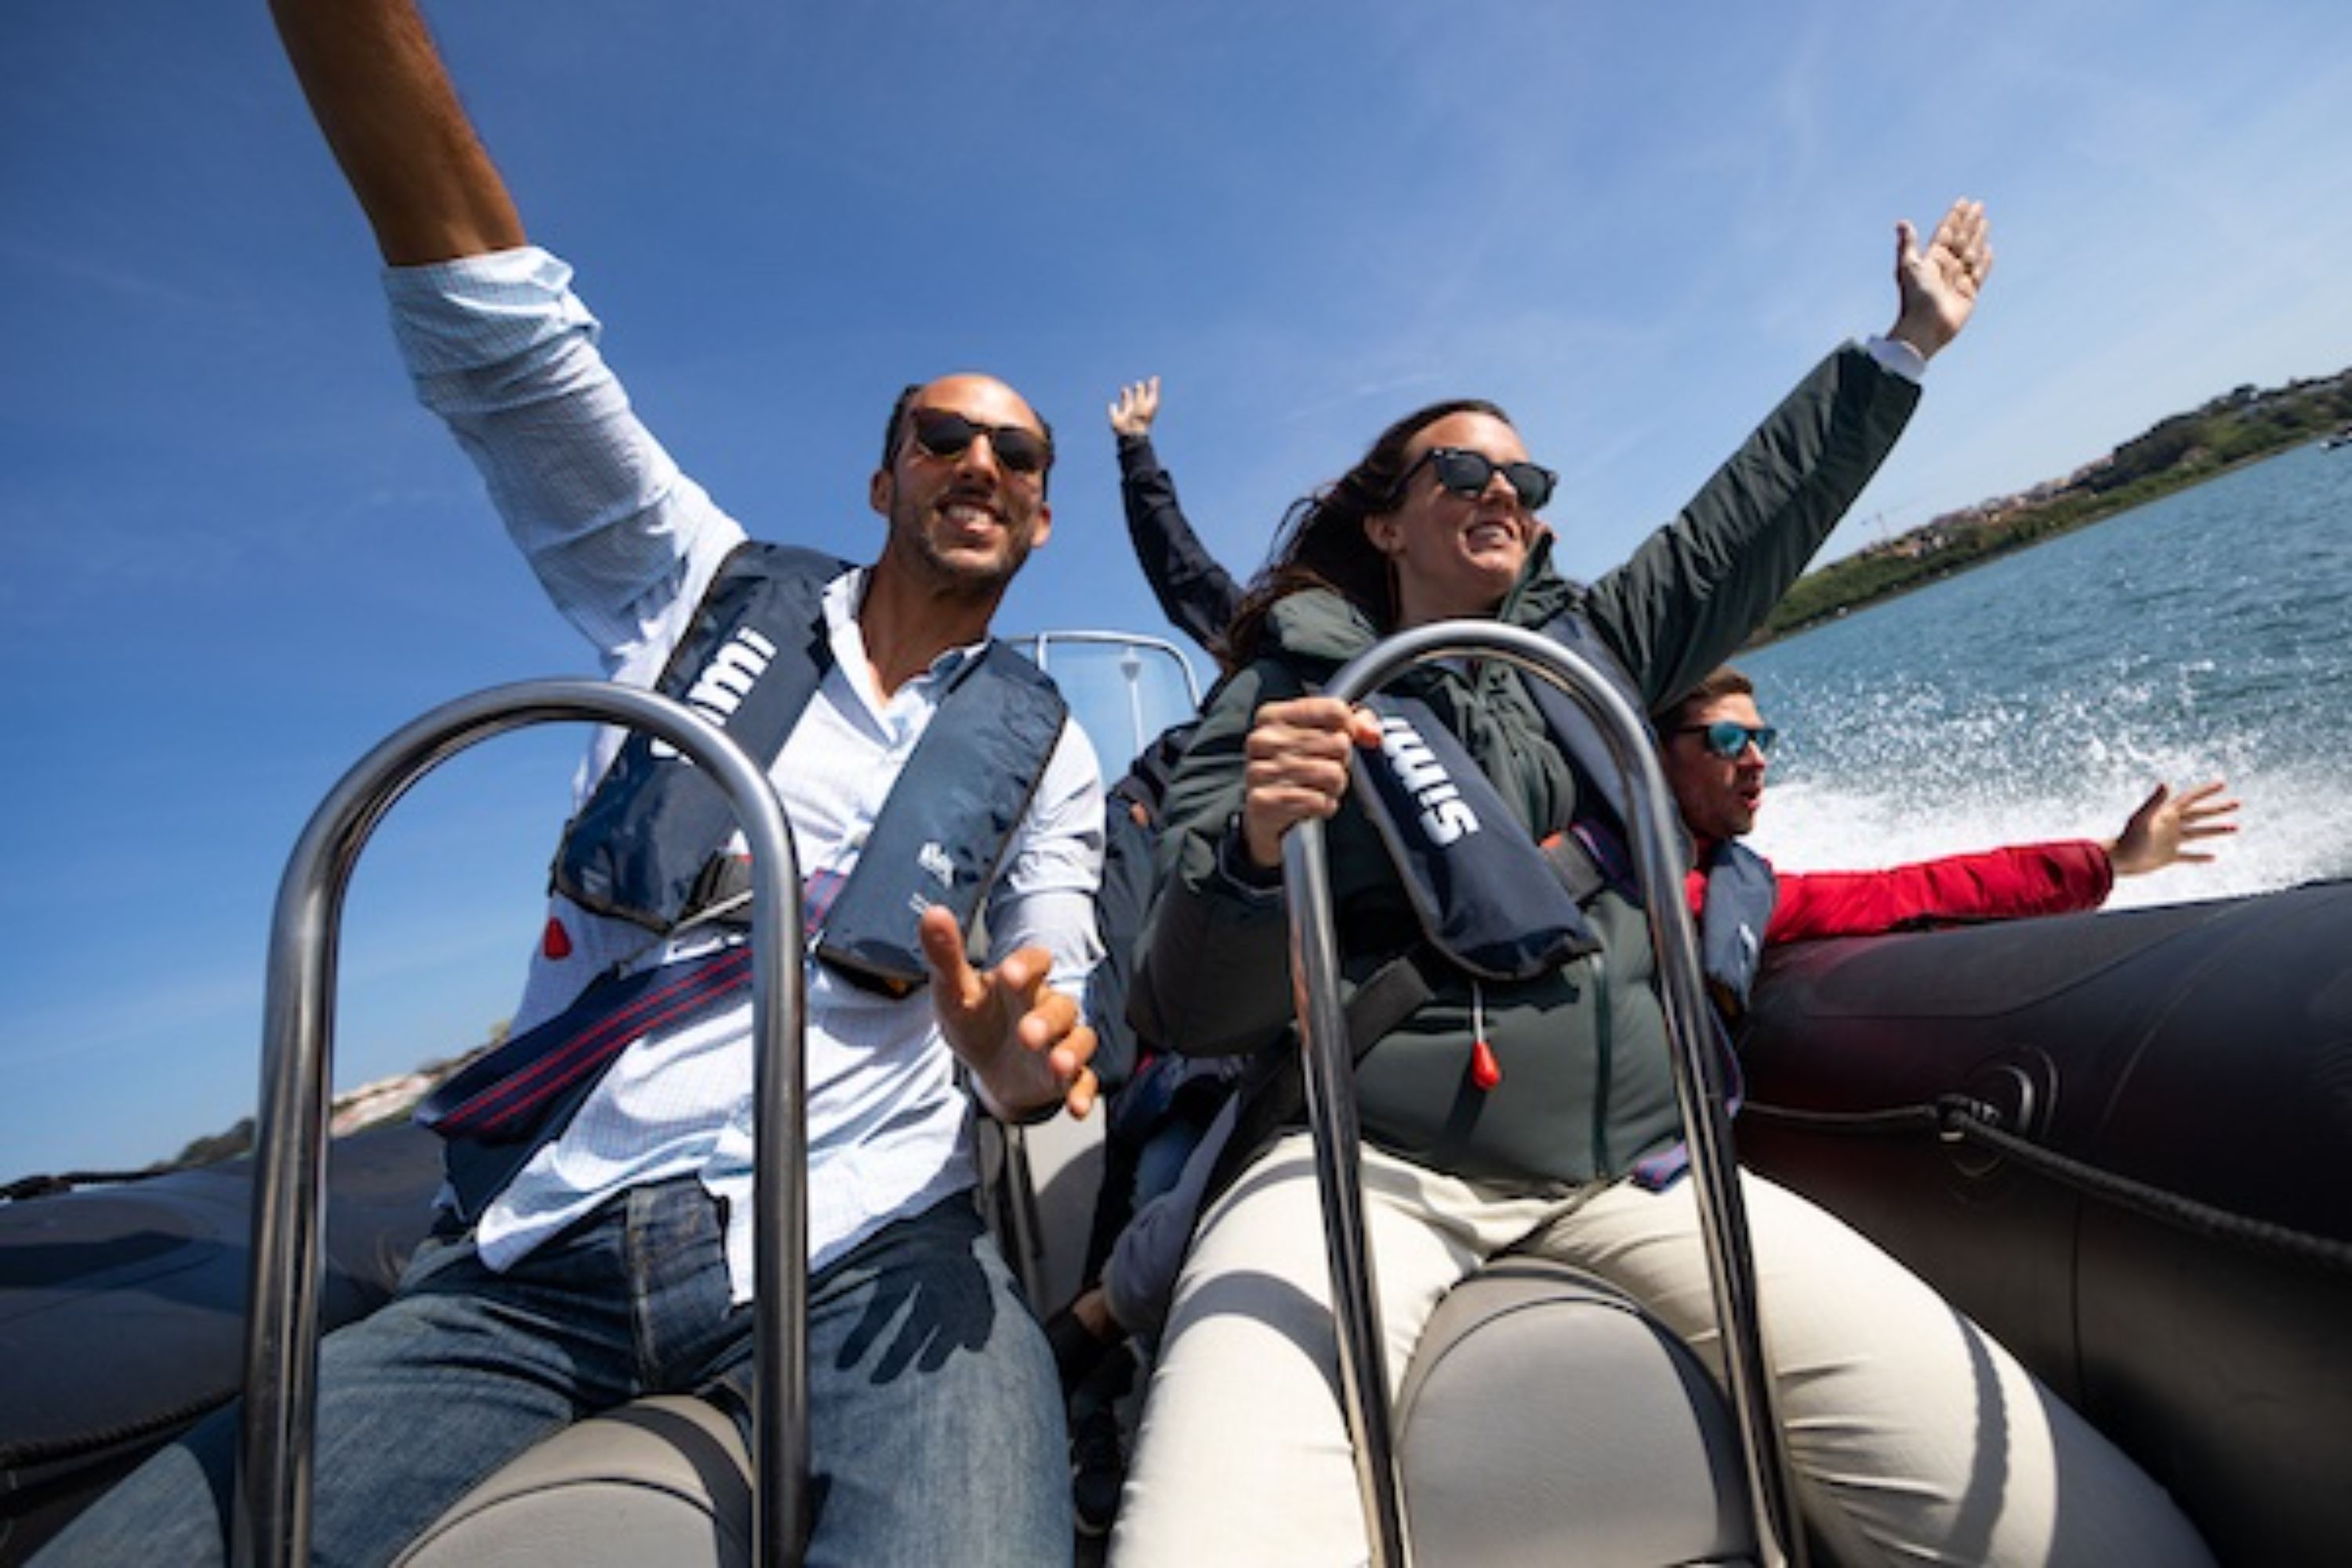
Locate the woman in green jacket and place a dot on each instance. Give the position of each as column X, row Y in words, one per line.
column 1510, row 1115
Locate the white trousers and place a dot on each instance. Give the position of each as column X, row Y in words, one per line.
column 1916, row 1437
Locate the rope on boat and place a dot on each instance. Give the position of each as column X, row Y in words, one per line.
column 139, row 1432
column 26, row 1187
column 1959, row 1119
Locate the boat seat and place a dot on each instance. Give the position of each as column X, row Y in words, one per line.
column 1548, row 1418
column 664, row 1479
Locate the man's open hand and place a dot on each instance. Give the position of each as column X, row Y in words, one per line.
column 1019, row 1038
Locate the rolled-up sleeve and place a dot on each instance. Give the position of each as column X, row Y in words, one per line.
column 1045, row 895
column 505, row 354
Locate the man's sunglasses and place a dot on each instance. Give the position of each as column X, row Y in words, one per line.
column 1730, row 740
column 943, row 433
column 1467, row 473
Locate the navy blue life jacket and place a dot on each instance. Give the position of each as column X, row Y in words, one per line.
column 1492, row 900
column 1486, row 896
column 1481, row 889
column 649, row 845
column 1600, row 790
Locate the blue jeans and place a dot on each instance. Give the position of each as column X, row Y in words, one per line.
column 935, row 1417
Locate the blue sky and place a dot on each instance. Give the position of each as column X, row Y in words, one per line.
column 239, row 554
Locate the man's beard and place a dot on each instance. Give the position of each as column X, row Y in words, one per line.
column 960, row 577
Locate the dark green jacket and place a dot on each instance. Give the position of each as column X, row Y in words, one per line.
column 1586, row 1086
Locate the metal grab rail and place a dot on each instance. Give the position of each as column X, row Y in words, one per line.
column 272, row 1503
column 1330, row 1071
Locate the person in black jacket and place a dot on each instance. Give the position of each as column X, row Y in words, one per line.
column 1198, row 595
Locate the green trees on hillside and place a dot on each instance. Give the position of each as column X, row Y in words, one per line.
column 2172, row 454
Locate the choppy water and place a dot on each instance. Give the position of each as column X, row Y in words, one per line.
column 2207, row 635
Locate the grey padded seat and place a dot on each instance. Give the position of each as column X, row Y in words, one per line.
column 664, row 1480
column 1546, row 1420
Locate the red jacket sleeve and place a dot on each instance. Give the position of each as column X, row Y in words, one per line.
column 2001, row 884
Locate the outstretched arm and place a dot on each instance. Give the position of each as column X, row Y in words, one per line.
column 2007, row 884
column 1197, row 594
column 506, row 355
column 1936, row 286
column 2161, row 830
column 393, row 119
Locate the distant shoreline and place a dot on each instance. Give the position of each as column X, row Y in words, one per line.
column 1839, row 609
column 2177, row 453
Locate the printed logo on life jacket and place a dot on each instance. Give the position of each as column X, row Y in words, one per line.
column 1444, row 814
column 726, row 681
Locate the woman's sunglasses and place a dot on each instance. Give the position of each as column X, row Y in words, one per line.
column 1467, row 473
column 943, row 433
column 1730, row 740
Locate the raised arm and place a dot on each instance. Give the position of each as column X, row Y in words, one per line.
column 1136, row 407
column 501, row 350
column 1197, row 594
column 377, row 87
column 1695, row 590
column 1935, row 285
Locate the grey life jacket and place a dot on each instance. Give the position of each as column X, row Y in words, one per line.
column 649, row 845
column 1737, row 907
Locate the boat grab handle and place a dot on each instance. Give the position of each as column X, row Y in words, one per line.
column 1329, row 1072
column 272, row 1503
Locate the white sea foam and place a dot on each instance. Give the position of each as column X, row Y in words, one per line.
column 1904, row 776
column 2293, row 827
column 2207, row 636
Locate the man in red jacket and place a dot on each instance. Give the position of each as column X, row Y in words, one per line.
column 1717, row 749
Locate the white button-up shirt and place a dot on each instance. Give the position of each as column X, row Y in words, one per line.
column 625, row 544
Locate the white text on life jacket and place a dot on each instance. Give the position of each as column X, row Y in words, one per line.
column 1444, row 814
column 726, row 681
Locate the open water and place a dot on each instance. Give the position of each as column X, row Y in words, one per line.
column 2207, row 635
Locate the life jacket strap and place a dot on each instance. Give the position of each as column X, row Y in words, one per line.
column 497, row 1112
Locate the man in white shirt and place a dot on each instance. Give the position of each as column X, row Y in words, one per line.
column 602, row 1249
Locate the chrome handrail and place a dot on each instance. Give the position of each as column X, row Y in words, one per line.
column 1042, row 643
column 1330, row 1069
column 1141, row 730
column 272, row 1503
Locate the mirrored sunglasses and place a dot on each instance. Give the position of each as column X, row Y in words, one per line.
column 1729, row 740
